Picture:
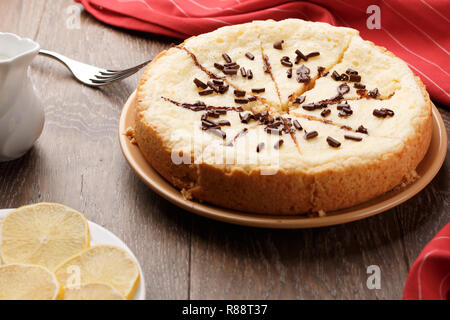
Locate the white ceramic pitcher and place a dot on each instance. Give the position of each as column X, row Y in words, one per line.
column 21, row 113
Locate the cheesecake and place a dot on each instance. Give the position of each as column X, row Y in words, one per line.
column 282, row 118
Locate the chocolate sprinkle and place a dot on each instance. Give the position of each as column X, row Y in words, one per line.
column 231, row 65
column 289, row 73
column 218, row 66
column 250, row 56
column 343, row 89
column 374, row 93
column 311, row 134
column 285, row 61
column 200, row 83
column 239, row 93
column 258, row 90
column 320, row 70
column 205, row 92
column 339, row 77
column 383, row 113
column 297, row 125
column 312, row 54
column 299, row 100
column 359, row 86
column 243, row 72
column 300, row 56
column 260, row 146
column 354, row 138
column 241, row 133
column 229, row 71
column 218, row 132
column 325, row 112
column 355, row 78
column 278, row 45
column 278, row 144
column 246, row 117
column 224, row 123
column 242, row 101
column 251, row 98
column 266, row 66
column 227, row 58
column 249, row 74
column 333, row 142
column 351, row 71
column 361, row 129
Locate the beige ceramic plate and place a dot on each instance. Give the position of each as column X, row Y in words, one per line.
column 427, row 169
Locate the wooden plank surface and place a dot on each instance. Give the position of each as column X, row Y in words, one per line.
column 78, row 162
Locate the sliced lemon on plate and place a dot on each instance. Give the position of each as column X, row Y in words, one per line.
column 92, row 291
column 43, row 234
column 28, row 282
column 101, row 263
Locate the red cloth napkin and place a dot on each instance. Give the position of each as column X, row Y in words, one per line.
column 415, row 30
column 429, row 277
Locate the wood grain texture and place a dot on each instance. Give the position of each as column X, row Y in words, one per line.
column 78, row 162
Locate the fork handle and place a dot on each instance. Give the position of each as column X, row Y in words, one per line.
column 57, row 56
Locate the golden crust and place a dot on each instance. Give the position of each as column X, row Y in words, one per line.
column 286, row 193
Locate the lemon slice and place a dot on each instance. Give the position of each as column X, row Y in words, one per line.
column 92, row 291
column 28, row 282
column 43, row 234
column 101, row 263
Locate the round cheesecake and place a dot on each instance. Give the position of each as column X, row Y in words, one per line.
column 281, row 118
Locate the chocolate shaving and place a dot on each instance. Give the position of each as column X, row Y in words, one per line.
column 278, row 45
column 303, row 74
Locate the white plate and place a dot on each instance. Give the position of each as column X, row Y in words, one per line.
column 99, row 235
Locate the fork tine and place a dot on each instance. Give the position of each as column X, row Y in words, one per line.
column 112, row 72
column 116, row 74
column 114, row 78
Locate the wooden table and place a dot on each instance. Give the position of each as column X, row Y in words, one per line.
column 78, row 162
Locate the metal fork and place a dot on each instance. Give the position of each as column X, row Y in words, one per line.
column 90, row 75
